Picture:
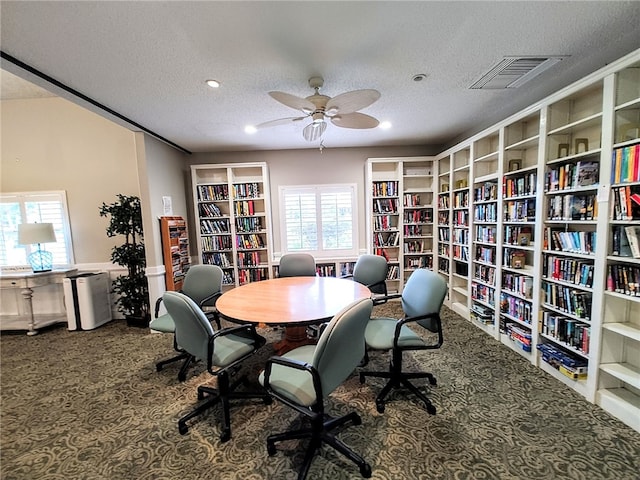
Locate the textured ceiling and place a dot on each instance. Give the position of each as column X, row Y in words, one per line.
column 148, row 61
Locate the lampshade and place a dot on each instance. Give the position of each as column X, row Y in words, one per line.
column 30, row 233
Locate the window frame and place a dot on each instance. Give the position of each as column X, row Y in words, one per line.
column 318, row 190
column 48, row 195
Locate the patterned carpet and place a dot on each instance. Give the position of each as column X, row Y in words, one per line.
column 90, row 406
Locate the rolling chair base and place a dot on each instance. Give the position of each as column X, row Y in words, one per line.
column 223, row 394
column 319, row 433
column 182, row 374
column 398, row 380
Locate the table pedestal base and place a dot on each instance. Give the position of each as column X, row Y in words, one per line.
column 293, row 337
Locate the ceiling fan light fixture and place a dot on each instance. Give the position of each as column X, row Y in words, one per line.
column 331, row 111
column 250, row 129
column 318, row 118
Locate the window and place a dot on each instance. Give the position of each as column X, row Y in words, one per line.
column 319, row 219
column 32, row 207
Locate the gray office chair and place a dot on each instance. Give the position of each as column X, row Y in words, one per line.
column 203, row 284
column 223, row 350
column 297, row 265
column 422, row 299
column 303, row 377
column 371, row 271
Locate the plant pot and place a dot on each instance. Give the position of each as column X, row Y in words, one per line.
column 138, row 322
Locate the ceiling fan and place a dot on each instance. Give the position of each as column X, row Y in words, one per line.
column 341, row 110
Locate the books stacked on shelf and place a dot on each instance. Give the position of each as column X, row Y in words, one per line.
column 483, row 293
column 391, row 239
column 418, row 216
column 486, row 212
column 519, row 284
column 252, row 275
column 213, row 192
column 567, row 241
column 385, row 188
column 246, row 190
column 248, row 224
column 393, row 273
column 569, row 365
column 485, row 192
column 485, row 233
column 412, row 263
column 249, row 242
column 520, row 210
column 484, row 273
column 214, row 226
column 516, row 308
column 520, row 336
column 626, row 202
column 626, row 241
column 517, row 235
column 572, row 207
column 626, row 164
column 248, row 259
column 443, row 265
column 412, row 230
column 209, row 210
column 326, row 270
column 244, row 207
column 385, row 205
column 519, row 186
column 411, row 200
column 623, row 278
column 572, row 333
column 216, row 242
column 569, row 175
column 481, row 314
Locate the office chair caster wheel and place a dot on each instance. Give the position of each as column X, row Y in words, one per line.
column 158, row 368
column 431, row 409
column 271, row 449
column 267, row 400
column 433, row 381
column 182, row 377
column 183, row 429
column 365, row 470
column 380, row 407
column 357, row 420
column 361, row 378
column 225, row 436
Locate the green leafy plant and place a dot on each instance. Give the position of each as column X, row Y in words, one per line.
column 132, row 289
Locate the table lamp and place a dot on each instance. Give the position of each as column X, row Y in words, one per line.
column 31, row 233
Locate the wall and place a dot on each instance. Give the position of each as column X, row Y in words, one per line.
column 53, row 144
column 309, row 167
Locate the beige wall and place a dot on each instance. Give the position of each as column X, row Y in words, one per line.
column 53, row 144
column 309, row 167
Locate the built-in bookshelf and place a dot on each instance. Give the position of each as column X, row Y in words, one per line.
column 556, row 275
column 232, row 212
column 175, row 251
column 484, row 232
column 401, row 215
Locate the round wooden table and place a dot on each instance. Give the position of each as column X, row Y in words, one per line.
column 294, row 302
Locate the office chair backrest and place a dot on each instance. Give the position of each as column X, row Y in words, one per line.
column 340, row 348
column 371, row 270
column 297, row 265
column 193, row 330
column 423, row 294
column 202, row 281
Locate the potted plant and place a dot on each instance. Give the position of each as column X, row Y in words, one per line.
column 132, row 289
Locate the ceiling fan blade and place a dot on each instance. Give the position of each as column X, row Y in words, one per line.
column 314, row 131
column 354, row 120
column 292, row 101
column 350, row 102
column 279, row 121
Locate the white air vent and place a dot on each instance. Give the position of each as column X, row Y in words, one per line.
column 512, row 72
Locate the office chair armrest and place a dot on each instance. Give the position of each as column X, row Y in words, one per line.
column 157, row 307
column 349, row 275
column 386, row 298
column 297, row 365
column 239, row 329
column 209, row 298
column 432, row 316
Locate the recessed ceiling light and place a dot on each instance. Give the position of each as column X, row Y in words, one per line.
column 250, row 129
column 419, row 77
column 213, row 83
column 385, row 125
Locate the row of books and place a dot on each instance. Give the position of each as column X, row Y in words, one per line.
column 418, row 262
column 625, row 165
column 572, row 333
column 519, row 335
column 626, row 241
column 216, row 242
column 250, row 241
column 519, row 186
column 386, row 240
column 514, row 258
column 326, row 270
column 220, row 259
column 568, row 300
column 385, row 189
column 393, row 273
column 485, row 233
column 570, row 365
column 248, row 259
column 214, row 226
column 625, row 203
column 252, row 275
column 443, row 249
column 443, row 265
column 483, row 293
column 487, row 191
column 443, row 219
column 484, row 273
column 570, row 270
column 572, row 175
column 461, row 199
column 244, row 207
column 414, row 246
column 413, row 230
column 572, row 207
column 486, row 212
column 383, row 222
column 461, row 218
column 418, row 216
column 482, row 314
column 246, row 190
column 485, row 254
column 213, row 192
column 624, row 279
column 411, row 200
column 209, row 210
column 443, row 202
column 460, row 252
column 520, row 210
column 517, row 235
column 248, row 224
column 516, row 307
column 520, row 284
column 461, row 235
column 571, row 242
column 385, row 205
column 444, row 234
